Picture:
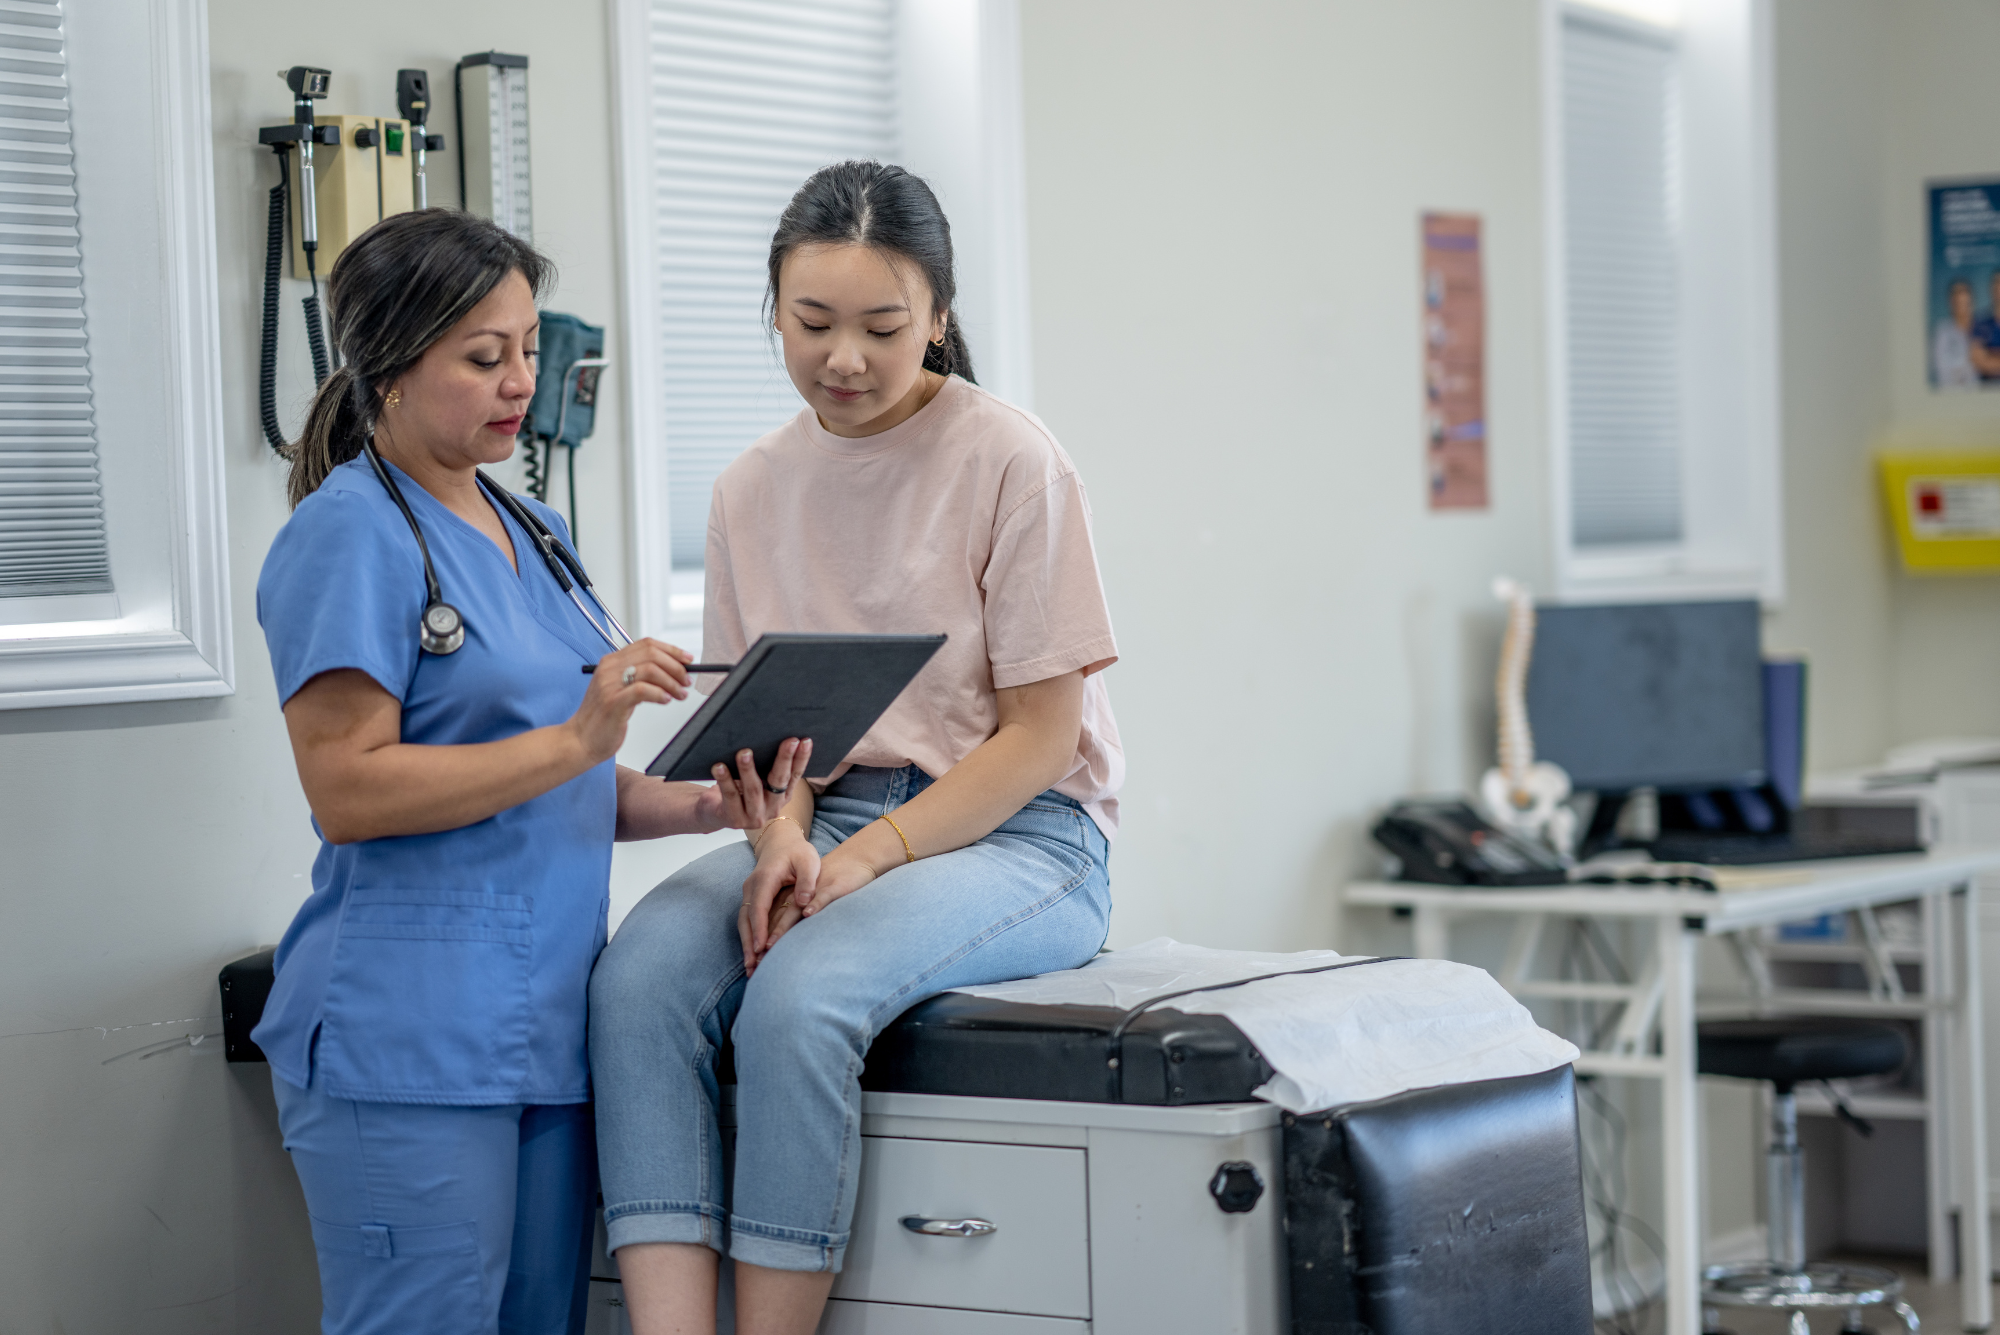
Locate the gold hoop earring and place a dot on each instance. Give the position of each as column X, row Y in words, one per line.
column 395, row 397
column 938, row 342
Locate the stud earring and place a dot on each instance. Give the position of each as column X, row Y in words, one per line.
column 395, row 397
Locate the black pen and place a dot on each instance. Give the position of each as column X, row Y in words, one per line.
column 589, row 668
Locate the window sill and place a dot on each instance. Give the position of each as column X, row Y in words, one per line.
column 1658, row 574
column 107, row 670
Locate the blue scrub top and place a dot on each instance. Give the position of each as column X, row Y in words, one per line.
column 439, row 968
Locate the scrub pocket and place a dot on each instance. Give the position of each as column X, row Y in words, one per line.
column 420, row 975
column 377, row 1278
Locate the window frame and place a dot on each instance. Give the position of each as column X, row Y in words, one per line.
column 173, row 639
column 1732, row 542
column 978, row 42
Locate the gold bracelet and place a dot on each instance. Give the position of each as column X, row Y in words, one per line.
column 908, row 852
column 756, row 845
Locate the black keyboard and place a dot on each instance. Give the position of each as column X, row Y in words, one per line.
column 1819, row 830
column 1742, row 850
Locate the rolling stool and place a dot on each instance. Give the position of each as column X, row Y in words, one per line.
column 1786, row 1053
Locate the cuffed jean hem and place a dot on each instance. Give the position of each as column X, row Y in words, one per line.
column 625, row 1225
column 785, row 1248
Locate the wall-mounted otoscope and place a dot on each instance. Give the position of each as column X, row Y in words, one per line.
column 307, row 83
column 413, row 100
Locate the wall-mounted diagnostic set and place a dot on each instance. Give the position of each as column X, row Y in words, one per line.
column 352, row 172
column 355, row 170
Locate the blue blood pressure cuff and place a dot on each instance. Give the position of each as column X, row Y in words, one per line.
column 565, row 340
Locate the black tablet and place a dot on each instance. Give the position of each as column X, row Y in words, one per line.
column 830, row 688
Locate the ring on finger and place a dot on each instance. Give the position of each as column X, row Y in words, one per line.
column 776, row 792
column 630, row 673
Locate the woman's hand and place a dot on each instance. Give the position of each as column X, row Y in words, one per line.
column 841, row 872
column 643, row 672
column 745, row 802
column 788, row 866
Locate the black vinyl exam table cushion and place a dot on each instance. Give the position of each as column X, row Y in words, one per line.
column 1457, row 1208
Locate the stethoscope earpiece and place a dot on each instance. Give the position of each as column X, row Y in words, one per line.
column 443, row 629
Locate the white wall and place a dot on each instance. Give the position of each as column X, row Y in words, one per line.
column 1223, row 213
column 1873, row 102
column 1946, row 634
column 142, row 846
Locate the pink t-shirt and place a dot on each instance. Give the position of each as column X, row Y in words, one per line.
column 968, row 519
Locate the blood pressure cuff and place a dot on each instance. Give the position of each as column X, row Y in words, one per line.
column 563, row 340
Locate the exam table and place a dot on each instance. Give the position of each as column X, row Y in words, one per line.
column 1075, row 1170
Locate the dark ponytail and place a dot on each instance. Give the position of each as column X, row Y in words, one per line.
column 880, row 205
column 398, row 288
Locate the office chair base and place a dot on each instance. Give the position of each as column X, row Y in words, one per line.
column 1821, row 1285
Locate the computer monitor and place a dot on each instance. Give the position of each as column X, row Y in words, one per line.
column 1660, row 695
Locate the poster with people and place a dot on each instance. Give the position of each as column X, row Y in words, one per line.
column 1963, row 351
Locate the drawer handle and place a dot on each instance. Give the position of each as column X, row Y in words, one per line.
column 949, row 1228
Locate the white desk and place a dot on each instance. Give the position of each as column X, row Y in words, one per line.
column 1655, row 1031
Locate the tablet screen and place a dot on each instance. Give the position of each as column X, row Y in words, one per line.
column 830, row 688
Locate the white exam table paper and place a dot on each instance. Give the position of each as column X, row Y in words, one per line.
column 1345, row 1036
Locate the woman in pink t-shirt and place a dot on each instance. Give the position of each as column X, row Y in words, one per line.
column 963, row 841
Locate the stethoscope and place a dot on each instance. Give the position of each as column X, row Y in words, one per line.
column 441, row 629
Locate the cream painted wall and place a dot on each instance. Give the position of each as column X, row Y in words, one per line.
column 1223, row 248
column 1875, row 101
column 1945, row 639
column 142, row 846
column 1835, row 294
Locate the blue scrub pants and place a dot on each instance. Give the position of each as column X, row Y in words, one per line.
column 445, row 1220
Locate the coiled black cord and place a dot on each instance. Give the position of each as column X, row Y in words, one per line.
column 267, row 358
column 267, row 364
column 531, row 460
column 315, row 335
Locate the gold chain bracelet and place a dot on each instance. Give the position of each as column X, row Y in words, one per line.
column 756, row 845
column 908, row 852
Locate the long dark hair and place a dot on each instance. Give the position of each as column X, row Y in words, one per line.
column 878, row 204
column 397, row 289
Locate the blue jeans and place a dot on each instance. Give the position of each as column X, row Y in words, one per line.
column 1031, row 897
column 445, row 1220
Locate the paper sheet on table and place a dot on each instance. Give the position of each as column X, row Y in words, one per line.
column 1346, row 1036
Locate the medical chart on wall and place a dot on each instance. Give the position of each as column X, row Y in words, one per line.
column 1962, row 298
column 1454, row 325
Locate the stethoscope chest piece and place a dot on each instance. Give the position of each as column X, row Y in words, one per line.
column 443, row 629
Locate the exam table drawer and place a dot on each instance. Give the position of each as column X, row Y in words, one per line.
column 1036, row 1262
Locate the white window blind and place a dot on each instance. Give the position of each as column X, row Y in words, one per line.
column 749, row 97
column 52, row 538
column 1621, row 186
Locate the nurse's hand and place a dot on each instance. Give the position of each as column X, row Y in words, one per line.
column 742, row 801
column 657, row 673
column 787, row 868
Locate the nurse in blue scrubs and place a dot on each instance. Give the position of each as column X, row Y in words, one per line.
column 426, row 1031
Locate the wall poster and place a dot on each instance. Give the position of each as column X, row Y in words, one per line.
column 1962, row 300
column 1454, row 363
